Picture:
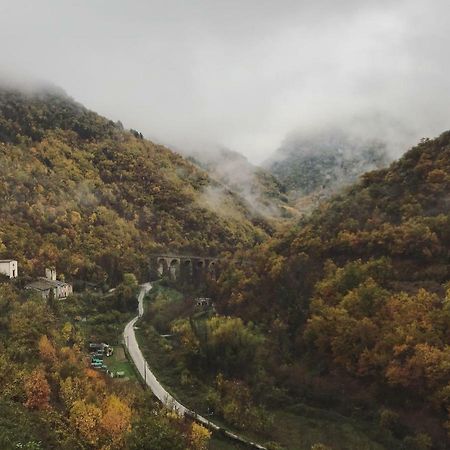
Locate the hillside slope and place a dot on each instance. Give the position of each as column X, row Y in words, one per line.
column 79, row 192
column 401, row 213
column 355, row 298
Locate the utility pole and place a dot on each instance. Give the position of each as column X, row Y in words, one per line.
column 145, row 371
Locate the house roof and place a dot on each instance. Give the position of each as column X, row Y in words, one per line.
column 7, row 260
column 44, row 284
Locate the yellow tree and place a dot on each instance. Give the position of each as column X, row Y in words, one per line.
column 86, row 418
column 71, row 390
column 46, row 350
column 116, row 420
column 66, row 331
column 199, row 437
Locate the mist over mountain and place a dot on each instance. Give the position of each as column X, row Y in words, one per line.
column 325, row 161
column 264, row 194
column 238, row 74
column 310, row 165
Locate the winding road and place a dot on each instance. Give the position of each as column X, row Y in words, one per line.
column 139, row 361
column 148, row 376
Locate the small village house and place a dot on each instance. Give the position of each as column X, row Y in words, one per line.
column 49, row 285
column 9, row 268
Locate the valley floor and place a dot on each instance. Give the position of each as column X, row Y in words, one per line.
column 297, row 427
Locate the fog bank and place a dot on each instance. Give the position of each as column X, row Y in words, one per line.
column 242, row 74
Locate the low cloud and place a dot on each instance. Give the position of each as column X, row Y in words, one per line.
column 243, row 74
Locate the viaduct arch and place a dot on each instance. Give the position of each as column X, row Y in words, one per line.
column 175, row 267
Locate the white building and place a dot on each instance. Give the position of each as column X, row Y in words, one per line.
column 9, row 268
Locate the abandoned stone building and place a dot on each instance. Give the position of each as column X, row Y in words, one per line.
column 49, row 285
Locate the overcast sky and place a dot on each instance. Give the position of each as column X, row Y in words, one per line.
column 239, row 73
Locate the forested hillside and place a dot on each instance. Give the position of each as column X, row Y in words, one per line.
column 50, row 397
column 335, row 332
column 80, row 193
column 355, row 299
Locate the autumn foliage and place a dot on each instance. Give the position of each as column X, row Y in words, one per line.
column 116, row 419
column 47, row 350
column 86, row 418
column 81, row 193
column 37, row 390
column 358, row 291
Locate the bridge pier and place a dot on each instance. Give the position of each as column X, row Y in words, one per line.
column 186, row 268
column 161, row 266
column 174, row 268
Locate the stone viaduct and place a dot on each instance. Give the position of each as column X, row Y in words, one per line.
column 186, row 267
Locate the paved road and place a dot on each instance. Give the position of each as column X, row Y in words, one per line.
column 166, row 399
column 139, row 361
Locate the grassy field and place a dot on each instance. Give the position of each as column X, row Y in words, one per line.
column 118, row 362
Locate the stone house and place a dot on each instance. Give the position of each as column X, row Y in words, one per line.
column 49, row 284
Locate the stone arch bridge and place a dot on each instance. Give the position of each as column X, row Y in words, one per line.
column 187, row 267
